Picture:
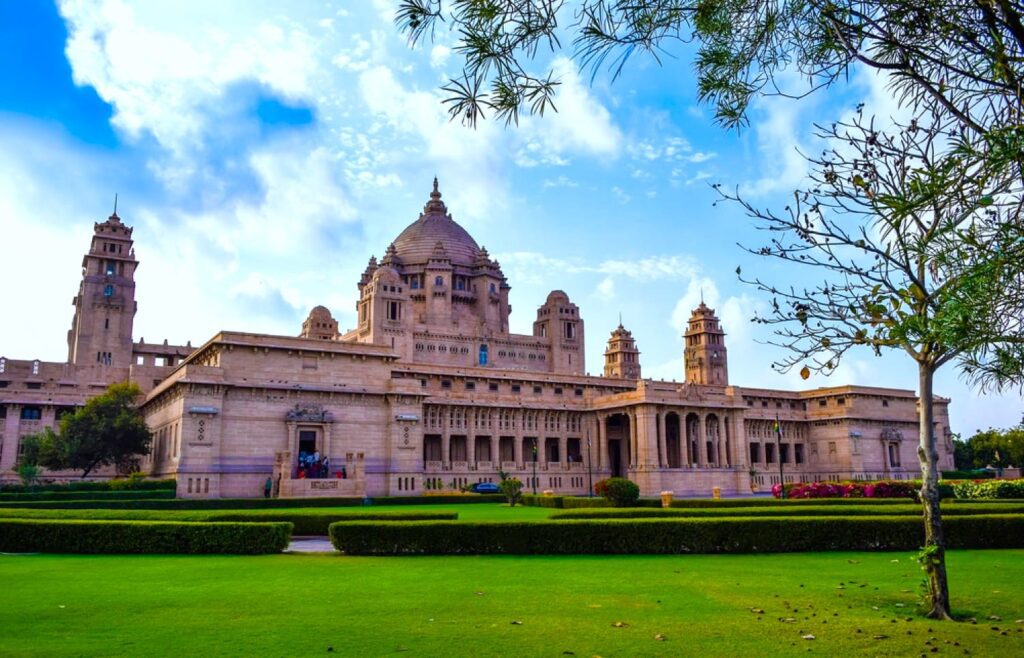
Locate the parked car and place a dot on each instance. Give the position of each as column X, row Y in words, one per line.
column 486, row 488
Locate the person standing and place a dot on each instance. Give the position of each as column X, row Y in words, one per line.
column 267, row 486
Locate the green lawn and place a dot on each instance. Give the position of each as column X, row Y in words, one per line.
column 708, row 605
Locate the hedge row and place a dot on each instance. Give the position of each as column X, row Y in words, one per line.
column 117, row 484
column 253, row 503
column 48, row 536
column 968, row 475
column 304, row 521
column 574, row 502
column 670, row 536
column 125, row 494
column 963, row 509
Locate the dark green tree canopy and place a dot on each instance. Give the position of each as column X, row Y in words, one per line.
column 108, row 431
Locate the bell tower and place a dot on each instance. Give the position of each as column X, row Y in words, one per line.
column 705, row 355
column 622, row 358
column 101, row 330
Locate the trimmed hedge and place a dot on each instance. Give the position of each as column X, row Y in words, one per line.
column 775, row 502
column 573, row 502
column 39, row 536
column 963, row 509
column 665, row 536
column 968, row 475
column 122, row 494
column 117, row 484
column 304, row 521
column 254, row 503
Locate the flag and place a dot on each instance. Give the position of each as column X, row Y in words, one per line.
column 778, row 427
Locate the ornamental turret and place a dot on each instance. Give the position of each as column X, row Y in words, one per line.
column 622, row 358
column 705, row 354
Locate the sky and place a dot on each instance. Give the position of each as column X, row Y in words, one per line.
column 263, row 151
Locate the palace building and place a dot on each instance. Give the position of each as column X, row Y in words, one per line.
column 431, row 391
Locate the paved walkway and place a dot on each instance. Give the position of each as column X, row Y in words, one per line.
column 310, row 545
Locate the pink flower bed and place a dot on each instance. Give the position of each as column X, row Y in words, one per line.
column 881, row 489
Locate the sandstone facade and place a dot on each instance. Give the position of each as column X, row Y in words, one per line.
column 431, row 392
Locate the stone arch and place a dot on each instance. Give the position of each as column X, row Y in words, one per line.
column 673, row 440
column 713, row 439
column 693, row 434
column 618, row 430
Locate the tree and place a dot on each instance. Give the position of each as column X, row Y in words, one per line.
column 998, row 448
column 913, row 246
column 511, row 487
column 108, row 431
column 963, row 56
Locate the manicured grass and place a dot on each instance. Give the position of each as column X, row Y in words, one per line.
column 852, row 603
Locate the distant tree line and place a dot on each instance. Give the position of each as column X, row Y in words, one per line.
column 991, row 447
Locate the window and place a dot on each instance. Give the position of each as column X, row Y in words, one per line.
column 579, row 392
column 108, row 290
column 769, row 453
column 798, row 453
column 423, row 383
column 570, row 330
column 493, row 289
column 35, row 367
column 446, row 383
column 784, row 453
column 885, row 403
column 3, row 411
column 470, row 386
column 516, row 388
column 31, row 413
column 106, row 323
column 4, row 383
column 558, row 391
column 492, row 387
column 764, row 403
column 840, row 401
column 111, row 268
column 34, row 386
column 755, row 453
column 822, row 403
column 483, row 355
column 537, row 390
column 438, row 280
column 394, row 311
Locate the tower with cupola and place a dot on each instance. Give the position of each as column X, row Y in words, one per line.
column 101, row 330
column 622, row 358
column 705, row 354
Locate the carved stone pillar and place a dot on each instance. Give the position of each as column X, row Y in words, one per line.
column 662, row 440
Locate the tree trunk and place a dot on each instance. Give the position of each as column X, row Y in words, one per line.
column 933, row 557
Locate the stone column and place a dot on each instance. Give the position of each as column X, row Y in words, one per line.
column 601, row 441
column 662, row 440
column 702, row 444
column 471, row 449
column 446, row 413
column 9, row 454
column 563, row 451
column 495, row 457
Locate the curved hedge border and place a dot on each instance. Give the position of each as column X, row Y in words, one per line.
column 670, row 536
column 963, row 509
column 304, row 521
column 253, row 503
column 81, row 536
column 122, row 494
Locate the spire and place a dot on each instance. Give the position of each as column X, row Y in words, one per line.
column 113, row 217
column 435, row 205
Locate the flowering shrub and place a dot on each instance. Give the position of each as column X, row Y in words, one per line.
column 882, row 489
column 989, row 489
column 619, row 491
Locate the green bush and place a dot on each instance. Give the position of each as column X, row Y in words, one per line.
column 670, row 536
column 621, row 492
column 88, row 495
column 990, row 489
column 96, row 485
column 775, row 502
column 534, row 500
column 82, row 536
column 305, row 521
column 967, row 475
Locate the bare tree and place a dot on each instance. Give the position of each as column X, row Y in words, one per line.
column 913, row 242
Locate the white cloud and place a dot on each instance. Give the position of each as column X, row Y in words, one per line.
column 439, row 55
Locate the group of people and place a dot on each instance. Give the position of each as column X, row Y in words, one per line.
column 311, row 465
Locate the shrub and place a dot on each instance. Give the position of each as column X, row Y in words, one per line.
column 512, row 489
column 914, row 510
column 879, row 489
column 620, row 492
column 556, row 502
column 670, row 536
column 968, row 475
column 990, row 489
column 82, row 536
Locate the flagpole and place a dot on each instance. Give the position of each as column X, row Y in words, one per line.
column 778, row 449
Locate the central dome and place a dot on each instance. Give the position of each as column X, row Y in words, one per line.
column 417, row 242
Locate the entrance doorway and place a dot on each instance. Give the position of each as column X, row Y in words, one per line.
column 615, row 457
column 307, row 442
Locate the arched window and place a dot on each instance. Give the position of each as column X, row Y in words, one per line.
column 438, row 280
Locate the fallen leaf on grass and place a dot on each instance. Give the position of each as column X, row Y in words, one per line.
column 809, row 637
column 757, row 611
column 880, row 637
column 516, row 622
column 659, row 637
column 620, row 624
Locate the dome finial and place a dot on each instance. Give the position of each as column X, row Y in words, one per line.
column 435, row 194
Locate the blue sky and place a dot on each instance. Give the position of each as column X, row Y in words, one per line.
column 264, row 152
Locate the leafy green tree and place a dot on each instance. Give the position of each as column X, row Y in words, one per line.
column 998, row 448
column 108, row 431
column 963, row 56
column 512, row 488
column 907, row 242
column 963, row 455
